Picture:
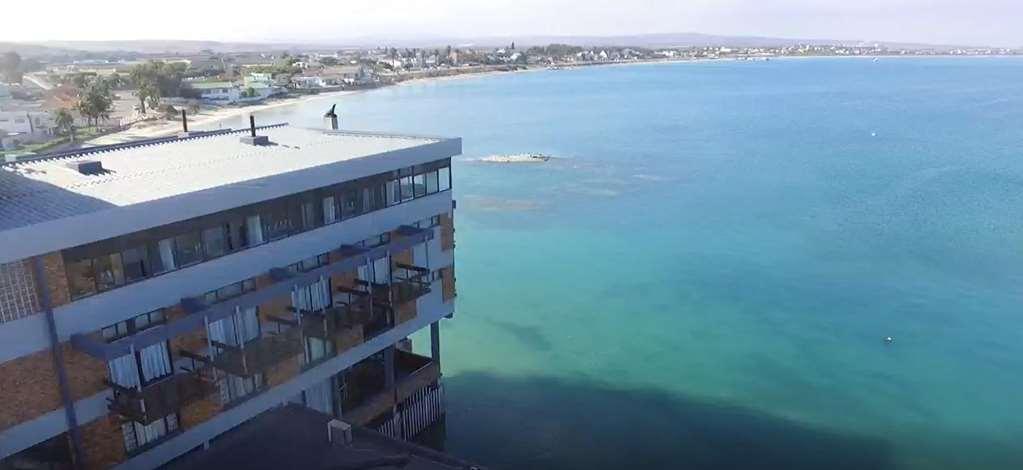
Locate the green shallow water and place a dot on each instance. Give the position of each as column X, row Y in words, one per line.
column 704, row 275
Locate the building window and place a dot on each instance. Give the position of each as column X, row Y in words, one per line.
column 407, row 190
column 187, row 249
column 215, row 241
column 329, row 210
column 234, row 389
column 444, row 177
column 419, row 185
column 134, row 325
column 109, row 272
column 432, row 183
column 393, row 192
column 81, row 278
column 246, row 227
column 134, row 260
column 165, row 253
column 351, row 203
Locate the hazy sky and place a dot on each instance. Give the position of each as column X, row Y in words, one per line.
column 974, row 22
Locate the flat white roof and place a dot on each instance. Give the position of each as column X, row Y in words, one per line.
column 216, row 172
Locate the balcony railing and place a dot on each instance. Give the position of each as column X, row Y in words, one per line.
column 163, row 397
column 343, row 325
column 369, row 398
column 259, row 354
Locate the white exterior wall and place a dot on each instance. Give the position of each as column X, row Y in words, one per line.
column 29, row 334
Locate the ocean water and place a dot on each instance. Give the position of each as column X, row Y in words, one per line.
column 704, row 275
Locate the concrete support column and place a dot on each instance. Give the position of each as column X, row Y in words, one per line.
column 389, row 375
column 435, row 341
column 58, row 362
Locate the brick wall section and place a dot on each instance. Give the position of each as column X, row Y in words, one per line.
column 86, row 374
column 194, row 341
column 284, row 371
column 348, row 338
column 102, row 443
column 447, row 231
column 448, row 283
column 405, row 312
column 30, row 388
column 56, row 279
column 199, row 412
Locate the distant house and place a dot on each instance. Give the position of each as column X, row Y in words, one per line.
column 256, row 87
column 25, row 127
column 217, row 92
column 334, row 77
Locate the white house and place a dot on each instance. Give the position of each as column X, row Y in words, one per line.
column 22, row 127
column 256, row 88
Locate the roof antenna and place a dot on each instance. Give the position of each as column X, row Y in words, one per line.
column 331, row 118
column 184, row 122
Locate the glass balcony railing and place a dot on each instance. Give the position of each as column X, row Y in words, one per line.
column 163, row 397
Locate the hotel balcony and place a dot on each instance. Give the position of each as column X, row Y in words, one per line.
column 259, row 354
column 408, row 283
column 344, row 325
column 163, row 397
column 367, row 397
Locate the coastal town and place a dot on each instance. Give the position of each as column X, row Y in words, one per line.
column 61, row 99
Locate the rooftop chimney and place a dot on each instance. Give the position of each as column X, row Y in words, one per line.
column 330, row 118
column 252, row 138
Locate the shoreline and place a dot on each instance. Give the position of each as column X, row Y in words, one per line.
column 162, row 128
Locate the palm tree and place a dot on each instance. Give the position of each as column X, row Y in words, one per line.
column 65, row 122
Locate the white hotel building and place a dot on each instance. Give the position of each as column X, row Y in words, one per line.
column 156, row 295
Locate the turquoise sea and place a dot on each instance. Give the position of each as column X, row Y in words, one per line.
column 704, row 275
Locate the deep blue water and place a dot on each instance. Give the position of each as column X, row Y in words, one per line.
column 704, row 276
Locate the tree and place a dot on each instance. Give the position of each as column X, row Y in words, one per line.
column 10, row 67
column 156, row 79
column 95, row 101
column 65, row 122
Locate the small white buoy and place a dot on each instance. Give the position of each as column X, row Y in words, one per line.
column 873, row 134
column 889, row 340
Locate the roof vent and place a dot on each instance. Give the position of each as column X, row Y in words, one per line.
column 87, row 167
column 252, row 138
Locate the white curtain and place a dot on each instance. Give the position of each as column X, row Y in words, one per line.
column 217, row 332
column 319, row 399
column 138, row 435
column 124, row 371
column 364, row 272
column 167, row 254
column 239, row 328
column 155, row 361
column 233, row 387
column 312, row 298
column 329, row 210
column 419, row 255
column 254, row 230
column 381, row 270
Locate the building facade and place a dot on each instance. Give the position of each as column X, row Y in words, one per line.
column 155, row 296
